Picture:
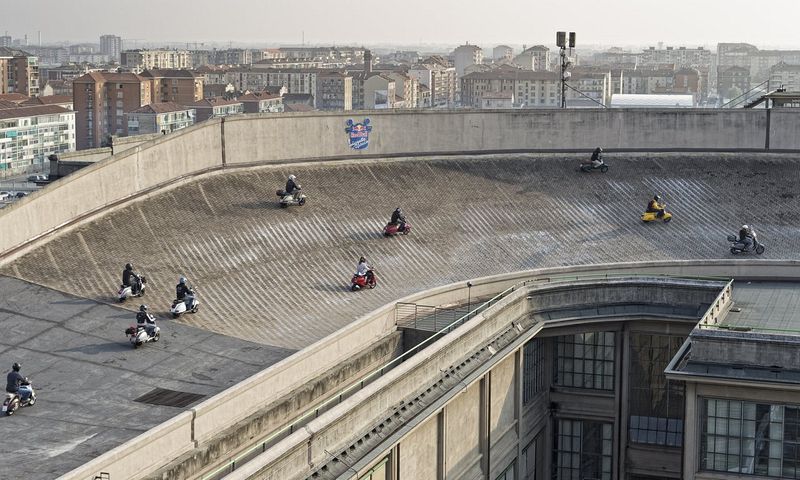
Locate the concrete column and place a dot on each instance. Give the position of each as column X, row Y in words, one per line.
column 518, row 379
column 483, row 431
column 441, row 444
column 621, row 399
column 691, row 420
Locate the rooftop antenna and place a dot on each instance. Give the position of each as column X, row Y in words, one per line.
column 302, row 38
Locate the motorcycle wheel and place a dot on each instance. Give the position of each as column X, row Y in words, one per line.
column 194, row 309
column 354, row 288
column 604, row 168
column 301, row 202
column 176, row 315
column 734, row 250
column 284, row 205
column 760, row 249
column 32, row 400
column 12, row 408
column 373, row 285
column 668, row 219
column 156, row 336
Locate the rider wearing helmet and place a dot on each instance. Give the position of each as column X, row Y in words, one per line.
column 655, row 207
column 292, row 187
column 597, row 157
column 747, row 236
column 398, row 219
column 131, row 279
column 146, row 319
column 182, row 289
column 14, row 379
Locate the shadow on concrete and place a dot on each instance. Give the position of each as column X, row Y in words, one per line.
column 332, row 287
column 122, row 346
column 261, row 205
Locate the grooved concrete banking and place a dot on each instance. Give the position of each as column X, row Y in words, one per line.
column 280, row 276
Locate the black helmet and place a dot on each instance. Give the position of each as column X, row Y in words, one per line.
column 657, row 198
column 143, row 308
column 128, row 266
column 16, row 367
column 362, row 259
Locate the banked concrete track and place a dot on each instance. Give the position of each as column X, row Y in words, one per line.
column 280, row 277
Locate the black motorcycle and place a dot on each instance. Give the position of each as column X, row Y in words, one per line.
column 738, row 247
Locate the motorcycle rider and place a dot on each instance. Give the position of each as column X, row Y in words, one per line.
column 363, row 269
column 183, row 290
column 398, row 219
column 655, row 207
column 597, row 157
column 292, row 187
column 131, row 279
column 747, row 237
column 14, row 380
column 146, row 320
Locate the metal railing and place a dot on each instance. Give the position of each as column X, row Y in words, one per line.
column 412, row 309
column 426, row 317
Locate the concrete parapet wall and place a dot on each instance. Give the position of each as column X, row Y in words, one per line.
column 261, row 138
column 141, row 454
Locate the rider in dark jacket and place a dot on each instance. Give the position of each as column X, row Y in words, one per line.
column 131, row 279
column 182, row 289
column 292, row 187
column 398, row 219
column 14, row 379
column 146, row 319
column 597, row 157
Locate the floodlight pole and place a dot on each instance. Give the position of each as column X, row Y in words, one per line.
column 563, row 77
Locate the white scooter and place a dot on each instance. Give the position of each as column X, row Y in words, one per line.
column 138, row 335
column 126, row 292
column 189, row 303
column 287, row 198
column 13, row 401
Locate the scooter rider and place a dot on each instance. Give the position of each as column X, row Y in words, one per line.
column 597, row 157
column 15, row 379
column 747, row 236
column 363, row 269
column 292, row 187
column 131, row 279
column 146, row 319
column 398, row 219
column 183, row 290
column 655, row 207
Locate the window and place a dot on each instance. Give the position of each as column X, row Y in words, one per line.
column 585, row 360
column 583, row 450
column 656, row 404
column 750, row 438
column 533, row 370
column 508, row 473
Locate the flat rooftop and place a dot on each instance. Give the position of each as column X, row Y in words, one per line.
column 87, row 376
column 766, row 307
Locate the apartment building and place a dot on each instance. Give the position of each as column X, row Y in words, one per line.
column 758, row 63
column 529, row 88
column 231, row 56
column 261, row 102
column 643, row 81
column 466, row 55
column 680, row 57
column 140, row 60
column 502, row 53
column 101, row 100
column 299, row 80
column 215, row 107
column 440, row 79
column 19, row 72
column 111, row 45
column 785, row 75
column 161, row 117
column 379, row 92
column 334, row 91
column 28, row 134
column 179, row 86
column 534, row 58
column 406, row 88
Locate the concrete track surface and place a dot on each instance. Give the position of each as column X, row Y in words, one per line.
column 280, row 276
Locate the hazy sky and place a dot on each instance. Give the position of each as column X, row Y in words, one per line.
column 605, row 22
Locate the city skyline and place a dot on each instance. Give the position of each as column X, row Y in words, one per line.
column 619, row 23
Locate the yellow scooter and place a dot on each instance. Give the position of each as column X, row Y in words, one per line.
column 648, row 217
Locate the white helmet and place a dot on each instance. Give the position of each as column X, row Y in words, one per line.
column 745, row 227
column 292, row 177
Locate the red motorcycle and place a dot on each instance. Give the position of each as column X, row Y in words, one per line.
column 369, row 281
column 392, row 229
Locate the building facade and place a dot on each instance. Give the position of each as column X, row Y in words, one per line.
column 379, row 92
column 215, row 107
column 29, row 134
column 139, row 60
column 530, row 89
column 439, row 78
column 680, row 57
column 19, row 72
column 334, row 91
column 101, row 100
column 179, row 86
column 466, row 55
column 111, row 45
column 261, row 102
column 159, row 118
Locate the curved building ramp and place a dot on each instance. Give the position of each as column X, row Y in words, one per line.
column 280, row 276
